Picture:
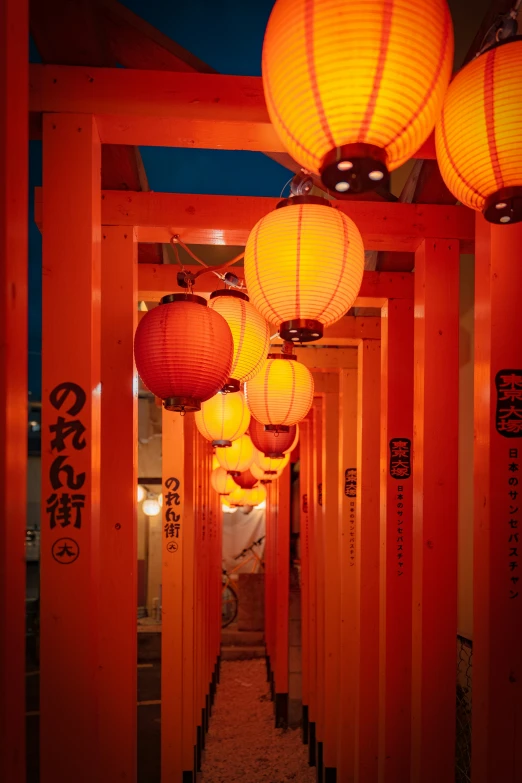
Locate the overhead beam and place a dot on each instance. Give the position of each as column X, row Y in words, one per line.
column 163, row 108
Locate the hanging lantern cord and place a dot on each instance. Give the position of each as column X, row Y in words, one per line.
column 301, row 184
column 505, row 27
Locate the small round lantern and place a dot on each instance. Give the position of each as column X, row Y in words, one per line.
column 237, row 497
column 304, row 265
column 255, row 496
column 270, row 443
column 281, row 394
column 479, row 134
column 183, row 351
column 245, row 480
column 221, row 482
column 263, row 476
column 223, row 418
column 269, row 465
column 354, row 88
column 250, row 333
column 237, row 457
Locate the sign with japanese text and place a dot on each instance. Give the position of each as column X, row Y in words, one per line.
column 400, row 458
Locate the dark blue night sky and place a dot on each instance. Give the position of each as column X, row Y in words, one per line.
column 228, row 35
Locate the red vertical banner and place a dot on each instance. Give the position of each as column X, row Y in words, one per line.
column 118, row 520
column 497, row 587
column 14, row 86
column 367, row 546
column 282, row 558
column 347, row 499
column 435, row 510
column 71, row 390
column 396, row 535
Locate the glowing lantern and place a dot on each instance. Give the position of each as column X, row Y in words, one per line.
column 141, row 493
column 237, row 457
column 151, row 507
column 228, row 509
column 245, row 480
column 215, row 462
column 270, row 465
column 270, row 443
column 304, row 265
column 223, row 418
column 354, row 88
column 263, row 476
column 281, row 394
column 221, row 482
column 183, row 351
column 250, row 333
column 479, row 134
column 255, row 496
column 237, row 497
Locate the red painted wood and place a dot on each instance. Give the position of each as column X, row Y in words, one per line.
column 283, row 581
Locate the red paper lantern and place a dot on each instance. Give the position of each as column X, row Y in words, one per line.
column 270, row 443
column 245, row 480
column 183, row 351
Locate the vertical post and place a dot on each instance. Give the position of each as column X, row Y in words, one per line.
column 312, row 575
column 396, row 535
column 282, row 597
column 69, row 558
column 497, row 620
column 188, row 553
column 347, row 498
column 14, row 81
column 118, row 522
column 435, row 512
column 304, row 487
column 330, row 499
column 319, row 575
column 367, row 546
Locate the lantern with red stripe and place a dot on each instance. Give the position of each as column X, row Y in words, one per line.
column 223, row 418
column 479, row 134
column 245, row 480
column 281, row 394
column 250, row 333
column 353, row 87
column 270, row 443
column 304, row 266
column 183, row 351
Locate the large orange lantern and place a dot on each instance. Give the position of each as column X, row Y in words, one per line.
column 250, row 333
column 223, row 418
column 479, row 134
column 245, row 480
column 237, row 457
column 270, row 465
column 270, row 443
column 221, row 481
column 183, row 351
column 353, row 87
column 304, row 265
column 282, row 393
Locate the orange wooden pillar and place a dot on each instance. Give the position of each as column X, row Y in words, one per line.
column 177, row 743
column 396, row 567
column 317, row 410
column 312, row 591
column 14, row 81
column 282, row 558
column 271, row 582
column 497, row 621
column 69, row 559
column 118, row 520
column 367, row 547
column 347, row 498
column 305, row 487
column 435, row 491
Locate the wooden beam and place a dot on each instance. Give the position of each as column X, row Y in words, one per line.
column 14, row 56
column 228, row 220
column 166, row 109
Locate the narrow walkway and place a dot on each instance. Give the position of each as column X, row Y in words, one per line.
column 242, row 744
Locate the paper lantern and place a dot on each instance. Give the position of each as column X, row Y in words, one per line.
column 270, row 465
column 151, row 507
column 221, row 481
column 140, row 493
column 255, row 496
column 237, row 457
column 245, row 480
column 270, row 443
column 479, row 134
column 250, row 333
column 228, row 509
column 282, row 393
column 215, row 462
column 262, row 476
column 223, row 418
column 183, row 351
column 304, row 265
column 353, row 87
column 237, row 497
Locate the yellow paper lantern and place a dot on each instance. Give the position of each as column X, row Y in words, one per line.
column 223, row 418
column 479, row 134
column 304, row 265
column 353, row 87
column 250, row 333
column 237, row 457
column 271, row 465
column 263, row 476
column 282, row 393
column 255, row 496
column 151, row 507
column 215, row 462
column 237, row 497
column 221, row 481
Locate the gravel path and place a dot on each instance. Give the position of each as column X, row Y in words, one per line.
column 242, row 744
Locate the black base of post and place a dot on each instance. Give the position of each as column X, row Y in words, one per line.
column 203, row 727
column 281, row 710
column 268, row 671
column 305, row 725
column 188, row 777
column 207, row 711
column 312, row 757
column 330, row 775
column 199, row 748
column 319, row 765
column 272, row 687
column 218, row 672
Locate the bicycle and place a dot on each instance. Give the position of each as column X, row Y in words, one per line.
column 229, row 598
